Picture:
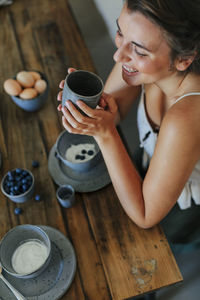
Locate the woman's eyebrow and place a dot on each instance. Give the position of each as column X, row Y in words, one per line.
column 118, row 25
column 135, row 43
column 141, row 46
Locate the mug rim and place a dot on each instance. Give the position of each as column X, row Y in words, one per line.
column 93, row 74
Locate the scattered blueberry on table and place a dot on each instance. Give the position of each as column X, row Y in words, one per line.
column 18, row 211
column 35, row 164
column 37, row 198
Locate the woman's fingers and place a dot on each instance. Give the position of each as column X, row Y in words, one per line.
column 59, row 96
column 67, row 126
column 86, row 109
column 112, row 106
column 77, row 114
column 70, row 70
column 59, row 108
column 61, row 84
column 74, row 117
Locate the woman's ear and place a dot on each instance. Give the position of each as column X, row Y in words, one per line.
column 182, row 63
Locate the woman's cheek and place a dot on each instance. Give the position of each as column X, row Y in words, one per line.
column 144, row 66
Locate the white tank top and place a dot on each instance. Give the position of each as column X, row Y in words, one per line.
column 148, row 139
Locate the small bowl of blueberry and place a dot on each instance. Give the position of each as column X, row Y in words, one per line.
column 18, row 185
column 78, row 152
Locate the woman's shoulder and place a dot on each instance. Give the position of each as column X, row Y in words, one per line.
column 184, row 116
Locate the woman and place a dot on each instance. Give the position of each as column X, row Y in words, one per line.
column 158, row 55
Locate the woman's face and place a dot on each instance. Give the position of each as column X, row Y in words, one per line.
column 142, row 50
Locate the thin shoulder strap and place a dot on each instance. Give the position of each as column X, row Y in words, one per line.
column 188, row 94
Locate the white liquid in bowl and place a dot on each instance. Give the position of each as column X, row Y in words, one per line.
column 29, row 257
column 80, row 153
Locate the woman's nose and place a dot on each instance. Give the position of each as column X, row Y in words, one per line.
column 121, row 55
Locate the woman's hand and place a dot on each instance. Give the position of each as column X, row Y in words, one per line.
column 95, row 122
column 61, row 86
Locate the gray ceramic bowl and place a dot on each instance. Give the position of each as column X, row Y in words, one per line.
column 20, row 191
column 16, row 237
column 33, row 104
column 65, row 140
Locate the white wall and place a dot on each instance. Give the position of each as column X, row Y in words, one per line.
column 110, row 10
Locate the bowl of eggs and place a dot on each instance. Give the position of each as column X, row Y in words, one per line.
column 28, row 89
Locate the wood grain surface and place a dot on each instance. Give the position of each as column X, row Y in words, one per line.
column 115, row 258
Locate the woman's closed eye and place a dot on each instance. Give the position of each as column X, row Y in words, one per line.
column 138, row 52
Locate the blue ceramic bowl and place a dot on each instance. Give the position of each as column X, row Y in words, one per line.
column 16, row 237
column 65, row 140
column 33, row 104
column 20, row 191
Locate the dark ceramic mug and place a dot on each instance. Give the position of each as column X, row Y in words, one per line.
column 82, row 85
column 66, row 195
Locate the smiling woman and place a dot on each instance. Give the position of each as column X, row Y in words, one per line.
column 158, row 58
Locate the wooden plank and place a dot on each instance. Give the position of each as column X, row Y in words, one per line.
column 10, row 61
column 119, row 239
column 21, row 144
column 89, row 262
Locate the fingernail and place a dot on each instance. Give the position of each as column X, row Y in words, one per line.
column 67, row 103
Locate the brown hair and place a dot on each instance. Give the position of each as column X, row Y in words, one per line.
column 180, row 22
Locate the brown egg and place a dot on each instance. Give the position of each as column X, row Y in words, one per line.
column 12, row 87
column 25, row 79
column 40, row 85
column 35, row 75
column 28, row 93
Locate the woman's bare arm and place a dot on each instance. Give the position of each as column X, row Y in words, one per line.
column 177, row 151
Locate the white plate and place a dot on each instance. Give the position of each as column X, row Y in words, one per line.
column 55, row 280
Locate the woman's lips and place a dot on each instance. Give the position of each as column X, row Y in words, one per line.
column 129, row 71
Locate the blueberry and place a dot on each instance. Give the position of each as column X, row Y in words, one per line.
column 83, row 151
column 17, row 178
column 18, row 171
column 82, row 157
column 37, row 198
column 24, row 173
column 35, row 163
column 77, row 156
column 29, row 178
column 11, row 183
column 18, row 211
column 90, row 152
column 24, row 187
column 24, row 180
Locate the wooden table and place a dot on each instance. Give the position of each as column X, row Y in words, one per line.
column 115, row 258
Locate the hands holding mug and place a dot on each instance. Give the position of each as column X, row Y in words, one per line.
column 79, row 117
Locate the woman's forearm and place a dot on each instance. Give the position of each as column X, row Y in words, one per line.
column 125, row 178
